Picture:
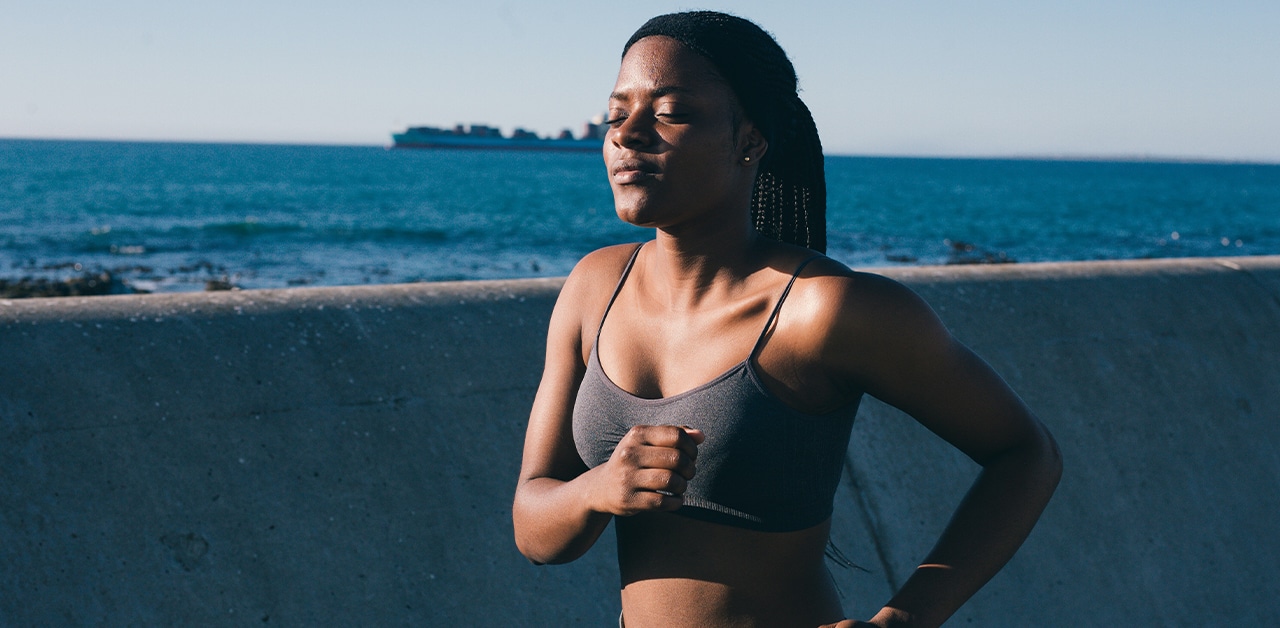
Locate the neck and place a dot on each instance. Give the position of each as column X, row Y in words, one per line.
column 689, row 268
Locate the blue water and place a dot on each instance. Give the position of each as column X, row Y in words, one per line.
column 169, row 217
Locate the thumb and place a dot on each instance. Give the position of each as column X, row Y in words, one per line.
column 696, row 434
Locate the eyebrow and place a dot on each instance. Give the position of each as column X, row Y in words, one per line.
column 657, row 92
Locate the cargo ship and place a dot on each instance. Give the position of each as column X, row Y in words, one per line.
column 481, row 136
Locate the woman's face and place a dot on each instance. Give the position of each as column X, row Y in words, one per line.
column 672, row 152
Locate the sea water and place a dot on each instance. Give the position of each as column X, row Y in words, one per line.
column 171, row 216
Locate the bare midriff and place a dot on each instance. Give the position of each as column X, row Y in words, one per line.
column 678, row 571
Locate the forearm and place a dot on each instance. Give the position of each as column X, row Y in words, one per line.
column 990, row 524
column 553, row 522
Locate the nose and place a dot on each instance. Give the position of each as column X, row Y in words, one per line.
column 633, row 132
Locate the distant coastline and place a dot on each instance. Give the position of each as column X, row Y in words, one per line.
column 483, row 136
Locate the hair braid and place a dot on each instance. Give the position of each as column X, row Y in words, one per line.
column 789, row 199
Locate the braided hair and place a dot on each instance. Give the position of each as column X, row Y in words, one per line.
column 789, row 200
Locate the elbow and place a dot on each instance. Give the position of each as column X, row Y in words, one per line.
column 1054, row 455
column 552, row 532
column 530, row 550
column 533, row 557
column 1045, row 458
column 1034, row 457
column 527, row 545
column 536, row 545
column 538, row 555
column 550, row 560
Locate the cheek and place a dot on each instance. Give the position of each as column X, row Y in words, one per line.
column 705, row 173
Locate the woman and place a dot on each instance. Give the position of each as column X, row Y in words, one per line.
column 699, row 389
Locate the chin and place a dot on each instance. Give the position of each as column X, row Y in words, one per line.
column 636, row 216
column 631, row 217
column 633, row 211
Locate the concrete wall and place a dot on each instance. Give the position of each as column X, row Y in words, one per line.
column 346, row 456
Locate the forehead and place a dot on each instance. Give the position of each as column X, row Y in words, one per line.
column 662, row 64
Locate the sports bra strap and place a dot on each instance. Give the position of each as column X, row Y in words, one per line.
column 618, row 288
column 767, row 324
column 778, row 307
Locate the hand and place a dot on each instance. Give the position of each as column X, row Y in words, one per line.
column 648, row 471
column 888, row 616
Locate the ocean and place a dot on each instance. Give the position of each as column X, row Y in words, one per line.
column 164, row 217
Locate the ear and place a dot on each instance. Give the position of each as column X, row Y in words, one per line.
column 751, row 144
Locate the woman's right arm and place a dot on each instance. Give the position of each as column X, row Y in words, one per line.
column 560, row 506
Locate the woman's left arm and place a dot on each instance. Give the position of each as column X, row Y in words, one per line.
column 888, row 342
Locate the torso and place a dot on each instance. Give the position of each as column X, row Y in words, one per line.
column 677, row 570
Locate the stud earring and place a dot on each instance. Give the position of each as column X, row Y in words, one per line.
column 747, row 159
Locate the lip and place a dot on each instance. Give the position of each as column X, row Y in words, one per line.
column 633, row 171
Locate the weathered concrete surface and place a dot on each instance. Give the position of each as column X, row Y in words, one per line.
column 1161, row 382
column 346, row 456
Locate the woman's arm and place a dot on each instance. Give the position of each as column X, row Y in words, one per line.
column 560, row 506
column 894, row 347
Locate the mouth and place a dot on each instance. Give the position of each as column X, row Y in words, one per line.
column 625, row 171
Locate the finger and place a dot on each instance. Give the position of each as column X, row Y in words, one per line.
column 681, row 437
column 632, row 455
column 672, row 436
column 696, row 434
column 643, row 501
column 662, row 458
column 637, row 500
column 661, row 481
column 670, row 503
column 688, row 439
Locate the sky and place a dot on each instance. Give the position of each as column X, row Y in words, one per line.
column 1026, row 78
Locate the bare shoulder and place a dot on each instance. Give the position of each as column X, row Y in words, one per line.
column 873, row 335
column 608, row 261
column 861, row 323
column 595, row 274
column 849, row 299
column 585, row 294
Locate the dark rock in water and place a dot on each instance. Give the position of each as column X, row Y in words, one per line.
column 214, row 285
column 88, row 284
column 966, row 253
column 982, row 257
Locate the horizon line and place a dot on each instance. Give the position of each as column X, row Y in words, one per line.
column 1064, row 157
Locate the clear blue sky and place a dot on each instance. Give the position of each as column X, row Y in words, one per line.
column 1018, row 78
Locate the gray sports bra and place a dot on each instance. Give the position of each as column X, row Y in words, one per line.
column 764, row 465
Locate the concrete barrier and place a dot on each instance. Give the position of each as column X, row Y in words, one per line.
column 346, row 456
